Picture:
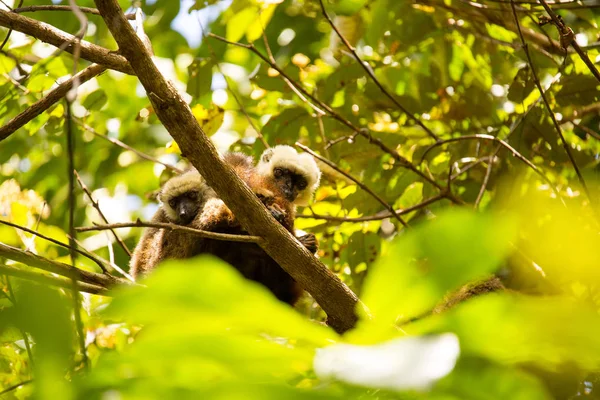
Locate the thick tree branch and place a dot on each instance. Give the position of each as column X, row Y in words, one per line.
column 54, row 36
column 33, row 260
column 333, row 296
column 173, row 227
column 49, row 100
column 51, row 280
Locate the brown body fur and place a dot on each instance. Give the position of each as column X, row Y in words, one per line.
column 250, row 259
column 157, row 245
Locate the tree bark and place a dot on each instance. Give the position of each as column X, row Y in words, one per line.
column 336, row 299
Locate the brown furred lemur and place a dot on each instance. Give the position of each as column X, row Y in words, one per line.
column 279, row 196
column 182, row 197
column 213, row 215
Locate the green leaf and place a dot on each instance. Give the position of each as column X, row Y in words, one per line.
column 95, row 100
column 423, row 265
column 240, row 22
column 200, row 77
column 349, row 7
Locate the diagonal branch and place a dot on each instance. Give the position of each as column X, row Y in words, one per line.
column 54, row 36
column 370, row 72
column 49, row 100
column 56, row 7
column 51, row 280
column 33, row 260
column 567, row 37
column 375, row 217
column 356, row 181
column 538, row 84
column 58, row 243
column 500, row 143
column 119, row 143
column 359, row 131
column 96, row 205
column 334, row 297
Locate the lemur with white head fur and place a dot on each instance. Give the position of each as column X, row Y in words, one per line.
column 182, row 198
column 287, row 179
column 282, row 179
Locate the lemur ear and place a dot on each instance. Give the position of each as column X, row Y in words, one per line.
column 266, row 156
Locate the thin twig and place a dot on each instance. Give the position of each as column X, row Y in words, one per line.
column 486, row 179
column 503, row 144
column 125, row 146
column 230, row 89
column 587, row 130
column 547, row 104
column 13, row 387
column 353, row 179
column 96, row 205
column 56, row 242
column 49, row 100
column 375, row 217
column 83, row 24
column 360, row 131
column 10, row 30
column 370, row 72
column 50, row 280
column 110, row 264
column 288, row 81
column 72, row 234
column 23, row 333
column 173, row 227
column 568, row 38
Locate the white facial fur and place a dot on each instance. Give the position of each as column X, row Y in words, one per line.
column 287, row 157
column 188, row 181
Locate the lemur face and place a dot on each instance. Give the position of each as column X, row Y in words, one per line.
column 185, row 207
column 290, row 182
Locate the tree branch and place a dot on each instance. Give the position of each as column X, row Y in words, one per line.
column 568, row 38
column 97, row 207
column 371, row 74
column 501, row 143
column 49, row 100
column 51, row 280
column 33, row 260
column 117, row 142
column 58, row 243
column 173, row 227
column 359, row 131
column 538, row 84
column 356, row 181
column 375, row 217
column 54, row 36
column 333, row 296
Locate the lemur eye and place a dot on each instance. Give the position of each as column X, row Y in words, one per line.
column 173, row 203
column 277, row 172
column 192, row 195
column 302, row 185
